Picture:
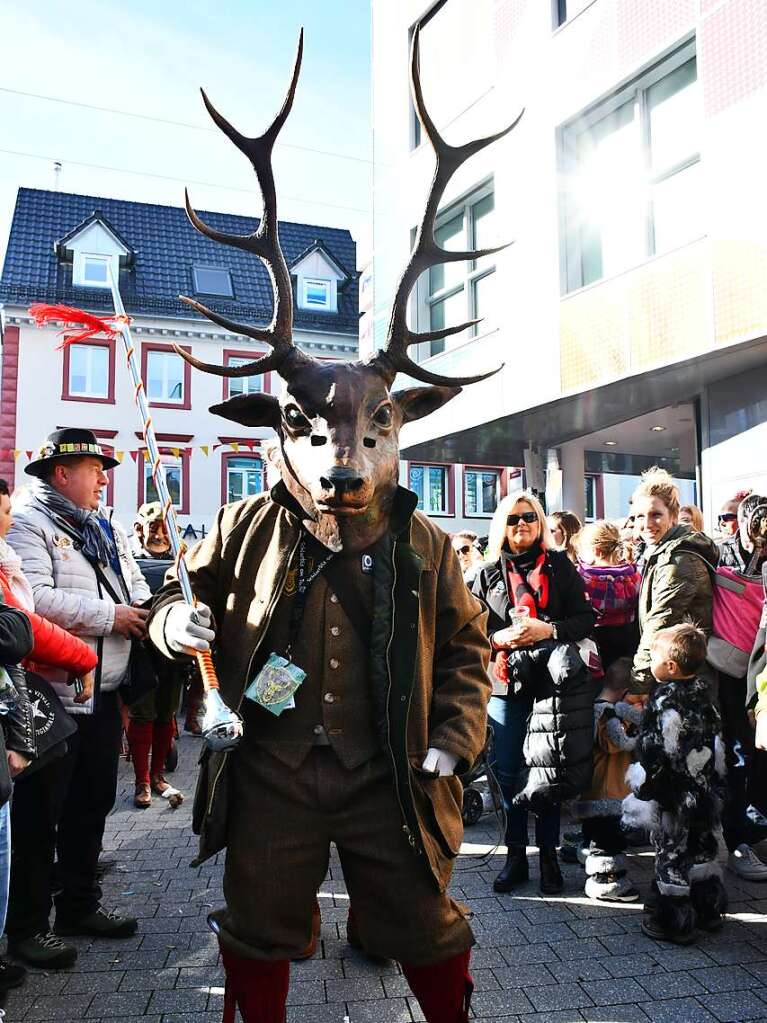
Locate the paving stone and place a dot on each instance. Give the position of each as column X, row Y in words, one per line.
column 394, row 1010
column 81, row 983
column 500, row 1003
column 630, row 966
column 558, row 996
column 59, row 1007
column 311, row 1014
column 557, row 1016
column 523, row 975
column 579, row 948
column 728, row 978
column 626, row 1014
column 355, row 989
column 671, row 985
column 678, row 1010
column 581, row 969
column 119, row 1003
column 309, row 992
column 613, row 992
column 733, row 1006
column 179, row 1000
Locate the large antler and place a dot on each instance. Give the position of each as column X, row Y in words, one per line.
column 264, row 243
column 426, row 253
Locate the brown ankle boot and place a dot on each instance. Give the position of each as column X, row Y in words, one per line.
column 143, row 797
column 311, row 948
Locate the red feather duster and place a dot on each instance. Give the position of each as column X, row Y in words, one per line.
column 90, row 325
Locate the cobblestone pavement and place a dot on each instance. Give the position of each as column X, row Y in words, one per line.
column 556, row 960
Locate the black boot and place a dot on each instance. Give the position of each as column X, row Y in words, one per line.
column 551, row 876
column 672, row 919
column 515, row 871
column 709, row 900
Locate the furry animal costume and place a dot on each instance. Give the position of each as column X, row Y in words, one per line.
column 678, row 788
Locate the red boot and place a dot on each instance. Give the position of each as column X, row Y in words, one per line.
column 257, row 988
column 140, row 742
column 443, row 989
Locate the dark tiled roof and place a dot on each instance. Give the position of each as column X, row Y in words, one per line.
column 166, row 247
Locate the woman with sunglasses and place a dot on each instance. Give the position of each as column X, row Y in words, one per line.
column 534, row 596
column 466, row 546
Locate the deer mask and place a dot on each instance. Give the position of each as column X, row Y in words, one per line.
column 338, row 423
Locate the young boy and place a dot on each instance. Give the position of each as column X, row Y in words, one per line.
column 616, row 731
column 678, row 787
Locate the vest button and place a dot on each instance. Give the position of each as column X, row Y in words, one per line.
column 334, row 662
column 329, row 698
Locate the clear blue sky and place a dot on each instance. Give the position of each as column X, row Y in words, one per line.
column 150, row 58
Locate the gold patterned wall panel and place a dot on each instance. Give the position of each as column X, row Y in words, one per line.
column 740, row 290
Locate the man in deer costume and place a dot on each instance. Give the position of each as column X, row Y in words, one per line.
column 335, row 577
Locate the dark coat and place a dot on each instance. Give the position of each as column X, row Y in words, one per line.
column 427, row 668
column 559, row 743
column 18, row 729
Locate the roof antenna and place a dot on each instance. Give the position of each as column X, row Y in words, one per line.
column 56, row 175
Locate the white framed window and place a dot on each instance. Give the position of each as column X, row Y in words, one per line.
column 88, row 371
column 465, row 290
column 212, row 280
column 315, row 293
column 590, row 498
column 244, row 385
column 632, row 173
column 165, row 377
column 481, row 491
column 90, row 270
column 244, row 478
column 174, row 476
column 430, row 483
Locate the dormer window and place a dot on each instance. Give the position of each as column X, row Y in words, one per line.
column 212, row 280
column 89, row 270
column 315, row 294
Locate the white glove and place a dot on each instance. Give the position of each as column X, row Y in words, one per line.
column 438, row 761
column 187, row 628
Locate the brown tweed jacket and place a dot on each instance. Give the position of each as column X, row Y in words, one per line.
column 428, row 660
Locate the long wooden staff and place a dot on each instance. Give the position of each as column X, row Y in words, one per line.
column 221, row 726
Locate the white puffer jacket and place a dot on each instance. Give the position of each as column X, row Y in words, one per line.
column 66, row 592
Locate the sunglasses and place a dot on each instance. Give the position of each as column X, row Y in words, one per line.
column 463, row 550
column 728, row 517
column 528, row 517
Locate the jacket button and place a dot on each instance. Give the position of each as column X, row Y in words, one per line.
column 318, row 729
column 335, row 631
column 334, row 662
column 329, row 698
column 333, row 598
column 402, row 699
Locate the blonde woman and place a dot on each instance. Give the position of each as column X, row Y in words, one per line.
column 523, row 576
column 612, row 583
column 676, row 572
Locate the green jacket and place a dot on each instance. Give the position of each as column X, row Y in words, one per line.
column 427, row 668
column 676, row 588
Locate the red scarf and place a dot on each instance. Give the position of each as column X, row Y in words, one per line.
column 532, row 591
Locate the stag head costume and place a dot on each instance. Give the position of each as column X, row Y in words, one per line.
column 336, row 571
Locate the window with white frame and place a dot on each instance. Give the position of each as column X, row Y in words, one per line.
column 590, row 498
column 244, row 385
column 632, row 173
column 244, row 478
column 430, row 484
column 481, row 491
column 566, row 10
column 165, row 377
column 212, row 280
column 174, row 476
column 315, row 293
column 90, row 270
column 464, row 290
column 88, row 371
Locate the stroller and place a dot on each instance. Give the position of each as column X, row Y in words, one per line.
column 481, row 792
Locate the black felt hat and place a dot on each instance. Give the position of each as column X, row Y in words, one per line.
column 71, row 442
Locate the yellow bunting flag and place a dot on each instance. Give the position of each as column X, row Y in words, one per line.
column 175, row 452
column 204, row 448
column 235, row 446
column 119, row 455
column 16, row 454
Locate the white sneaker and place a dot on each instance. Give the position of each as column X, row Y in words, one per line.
column 744, row 862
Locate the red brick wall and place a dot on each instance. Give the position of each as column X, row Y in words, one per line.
column 8, row 398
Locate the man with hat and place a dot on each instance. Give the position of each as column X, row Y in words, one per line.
column 84, row 579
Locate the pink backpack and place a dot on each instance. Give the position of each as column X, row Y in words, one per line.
column 737, row 611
